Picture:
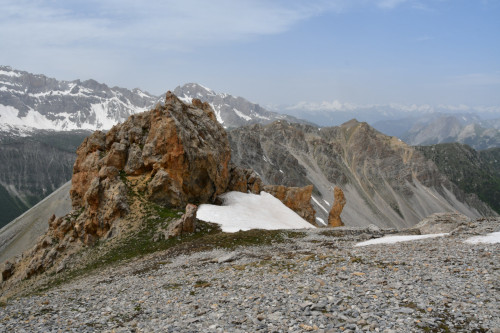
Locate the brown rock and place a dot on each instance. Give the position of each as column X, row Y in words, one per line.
column 339, row 202
column 441, row 223
column 244, row 180
column 297, row 199
column 180, row 150
column 86, row 166
column 185, row 225
column 117, row 156
column 135, row 163
column 6, row 270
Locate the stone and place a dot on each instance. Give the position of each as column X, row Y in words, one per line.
column 185, row 225
column 297, row 199
column 339, row 202
column 441, row 223
column 243, row 180
column 6, row 270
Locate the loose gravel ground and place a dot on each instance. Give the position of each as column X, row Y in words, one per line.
column 315, row 283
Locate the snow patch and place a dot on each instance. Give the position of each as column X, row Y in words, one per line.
column 10, row 73
column 397, row 239
column 245, row 211
column 242, row 115
column 262, row 117
column 217, row 113
column 320, row 220
column 317, row 202
column 207, row 89
column 9, row 115
column 186, row 99
column 492, row 238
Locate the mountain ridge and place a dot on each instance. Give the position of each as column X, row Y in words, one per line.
column 386, row 182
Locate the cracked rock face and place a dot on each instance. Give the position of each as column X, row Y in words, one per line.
column 180, row 149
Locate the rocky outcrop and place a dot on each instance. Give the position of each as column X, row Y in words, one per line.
column 441, row 223
column 185, row 225
column 6, row 271
column 180, row 151
column 176, row 154
column 339, row 202
column 244, row 180
column 297, row 199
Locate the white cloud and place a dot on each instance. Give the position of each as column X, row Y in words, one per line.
column 154, row 24
column 390, row 3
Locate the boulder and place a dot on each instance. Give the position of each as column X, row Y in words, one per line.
column 185, row 225
column 6, row 270
column 441, row 223
column 244, row 180
column 339, row 202
column 297, row 199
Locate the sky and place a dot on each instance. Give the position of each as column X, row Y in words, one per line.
column 272, row 52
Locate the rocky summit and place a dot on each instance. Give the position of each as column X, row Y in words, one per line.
column 142, row 174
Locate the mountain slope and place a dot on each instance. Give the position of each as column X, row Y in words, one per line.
column 36, row 101
column 21, row 233
column 231, row 111
column 473, row 171
column 33, row 167
column 385, row 181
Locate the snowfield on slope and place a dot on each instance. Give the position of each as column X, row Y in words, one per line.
column 492, row 238
column 245, row 211
column 397, row 239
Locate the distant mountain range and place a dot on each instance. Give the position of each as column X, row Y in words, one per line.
column 32, row 101
column 445, row 128
column 478, row 127
column 43, row 120
column 231, row 111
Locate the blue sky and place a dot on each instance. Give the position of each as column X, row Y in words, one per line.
column 270, row 52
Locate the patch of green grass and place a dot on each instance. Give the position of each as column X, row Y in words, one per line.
column 357, row 260
column 230, row 241
column 202, row 284
column 172, row 286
